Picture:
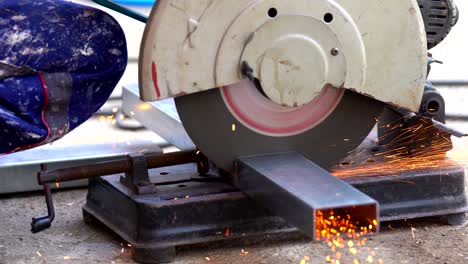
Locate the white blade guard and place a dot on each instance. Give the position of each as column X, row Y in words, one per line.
column 377, row 48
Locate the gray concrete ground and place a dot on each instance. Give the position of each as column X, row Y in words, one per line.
column 72, row 241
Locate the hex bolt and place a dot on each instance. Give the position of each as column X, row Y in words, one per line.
column 335, row 52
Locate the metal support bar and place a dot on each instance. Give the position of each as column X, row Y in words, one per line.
column 297, row 189
column 439, row 125
column 450, row 83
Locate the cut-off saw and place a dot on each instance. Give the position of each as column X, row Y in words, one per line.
column 274, row 93
column 256, row 77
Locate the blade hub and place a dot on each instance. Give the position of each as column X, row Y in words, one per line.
column 289, row 78
column 289, row 56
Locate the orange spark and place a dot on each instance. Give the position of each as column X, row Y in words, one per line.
column 340, row 230
column 144, row 107
column 418, row 147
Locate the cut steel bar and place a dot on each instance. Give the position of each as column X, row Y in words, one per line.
column 114, row 167
column 296, row 189
column 168, row 125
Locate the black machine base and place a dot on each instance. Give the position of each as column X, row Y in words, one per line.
column 186, row 208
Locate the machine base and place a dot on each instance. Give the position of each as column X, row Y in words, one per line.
column 188, row 209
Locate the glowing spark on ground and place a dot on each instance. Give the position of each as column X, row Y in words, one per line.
column 342, row 233
column 305, row 260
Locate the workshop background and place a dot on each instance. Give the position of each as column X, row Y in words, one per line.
column 104, row 136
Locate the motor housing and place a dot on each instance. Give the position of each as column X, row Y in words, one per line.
column 439, row 16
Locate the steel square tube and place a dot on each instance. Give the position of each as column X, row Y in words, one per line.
column 296, row 189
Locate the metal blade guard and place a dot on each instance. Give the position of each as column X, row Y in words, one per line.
column 306, row 195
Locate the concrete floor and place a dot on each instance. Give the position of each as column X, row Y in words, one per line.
column 72, row 241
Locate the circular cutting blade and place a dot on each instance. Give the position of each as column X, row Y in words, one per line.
column 238, row 120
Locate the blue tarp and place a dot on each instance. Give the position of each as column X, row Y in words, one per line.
column 59, row 63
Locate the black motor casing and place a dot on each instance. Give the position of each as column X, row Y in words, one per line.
column 439, row 18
